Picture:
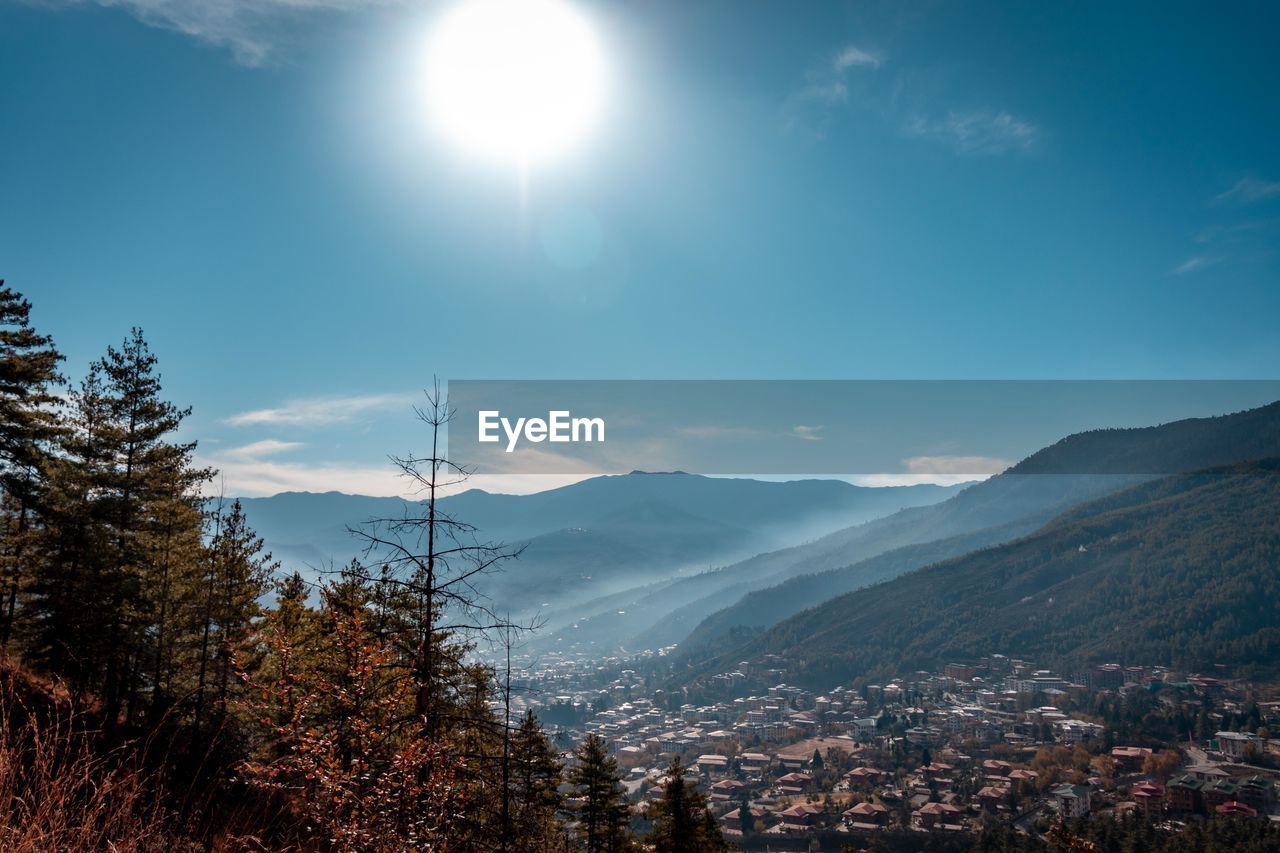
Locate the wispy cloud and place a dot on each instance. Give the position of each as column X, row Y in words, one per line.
column 826, row 86
column 978, row 133
column 319, row 411
column 244, row 477
column 250, row 29
column 1248, row 190
column 1194, row 263
column 260, row 449
column 852, row 56
column 807, row 433
column 1237, row 231
column 829, row 87
column 251, row 471
column 968, row 466
column 938, row 470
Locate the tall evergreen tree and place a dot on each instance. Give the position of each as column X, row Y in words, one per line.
column 535, row 781
column 238, row 572
column 28, row 427
column 175, row 554
column 681, row 821
column 119, row 490
column 603, row 814
column 64, row 636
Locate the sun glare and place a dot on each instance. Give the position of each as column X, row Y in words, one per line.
column 519, row 81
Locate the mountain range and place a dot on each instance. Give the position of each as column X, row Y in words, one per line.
column 725, row 568
column 1183, row 571
column 596, row 537
column 864, row 618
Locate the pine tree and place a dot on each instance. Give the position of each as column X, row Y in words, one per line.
column 28, row 427
column 476, row 736
column 147, row 473
column 238, row 574
column 175, row 554
column 603, row 814
column 535, row 780
column 119, row 489
column 681, row 821
column 64, row 637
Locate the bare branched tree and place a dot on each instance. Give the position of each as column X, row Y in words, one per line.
column 435, row 562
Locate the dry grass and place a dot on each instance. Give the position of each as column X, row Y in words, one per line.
column 805, row 748
column 58, row 793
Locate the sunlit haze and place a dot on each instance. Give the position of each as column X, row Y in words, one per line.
column 514, row 80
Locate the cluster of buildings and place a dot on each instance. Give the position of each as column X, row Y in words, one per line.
column 930, row 751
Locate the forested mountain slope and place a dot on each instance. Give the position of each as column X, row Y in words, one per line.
column 1182, row 571
column 1075, row 469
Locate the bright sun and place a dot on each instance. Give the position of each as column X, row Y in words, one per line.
column 515, row 80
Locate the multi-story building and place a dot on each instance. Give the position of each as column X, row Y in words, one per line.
column 1235, row 744
column 1072, row 800
column 1183, row 793
column 1149, row 798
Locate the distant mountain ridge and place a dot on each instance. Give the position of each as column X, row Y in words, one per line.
column 1182, row 571
column 1069, row 472
column 1170, row 448
column 647, row 560
column 587, row 539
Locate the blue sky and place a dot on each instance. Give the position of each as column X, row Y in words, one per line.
column 862, row 190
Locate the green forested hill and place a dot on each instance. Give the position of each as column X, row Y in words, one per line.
column 1182, row 571
column 1079, row 468
column 1185, row 445
column 762, row 608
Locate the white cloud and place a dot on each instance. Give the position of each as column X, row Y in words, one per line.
column 250, row 29
column 938, row 470
column 319, row 411
column 852, row 56
column 968, row 466
column 259, row 449
column 1247, row 190
column 981, row 132
column 1192, row 264
column 244, row 477
column 248, row 472
column 887, row 480
column 975, row 132
column 827, row 86
column 1237, row 231
column 807, row 433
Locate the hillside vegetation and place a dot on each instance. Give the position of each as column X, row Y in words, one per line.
column 1072, row 471
column 1183, row 571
